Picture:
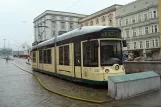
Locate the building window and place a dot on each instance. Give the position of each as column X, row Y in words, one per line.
column 71, row 25
column 53, row 34
column 97, row 21
column 152, row 28
column 133, row 20
column 77, row 53
column 120, row 22
column 134, row 45
column 134, row 32
column 139, row 18
column 86, row 23
column 154, row 14
column 127, row 33
column 134, row 6
column 156, row 42
column 150, row 15
column 34, row 57
column 147, row 30
column 54, row 17
column 141, row 44
column 110, row 15
column 127, row 22
column 103, row 18
column 110, row 22
column 53, row 24
column 145, row 17
column 91, row 23
column 147, row 44
column 128, row 46
column 153, row 44
column 71, row 18
column 155, row 28
column 62, row 18
column 44, row 35
column 140, row 31
column 63, row 25
column 64, row 55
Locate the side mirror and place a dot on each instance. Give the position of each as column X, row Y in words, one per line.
column 124, row 43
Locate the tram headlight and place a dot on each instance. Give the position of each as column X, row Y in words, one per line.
column 117, row 67
column 107, row 70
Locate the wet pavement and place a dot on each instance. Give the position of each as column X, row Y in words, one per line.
column 20, row 89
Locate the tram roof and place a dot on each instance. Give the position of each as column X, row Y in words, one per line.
column 73, row 33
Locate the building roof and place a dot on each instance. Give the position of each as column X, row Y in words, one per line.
column 73, row 33
column 58, row 13
column 100, row 12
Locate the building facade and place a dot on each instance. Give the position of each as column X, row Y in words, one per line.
column 53, row 23
column 140, row 27
column 105, row 17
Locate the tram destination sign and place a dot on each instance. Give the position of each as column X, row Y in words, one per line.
column 110, row 34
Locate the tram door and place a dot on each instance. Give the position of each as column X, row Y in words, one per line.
column 89, row 58
column 65, row 60
column 40, row 64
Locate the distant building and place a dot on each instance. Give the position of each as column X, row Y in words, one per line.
column 5, row 51
column 105, row 17
column 140, row 27
column 57, row 22
column 19, row 53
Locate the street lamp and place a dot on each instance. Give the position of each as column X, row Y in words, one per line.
column 4, row 47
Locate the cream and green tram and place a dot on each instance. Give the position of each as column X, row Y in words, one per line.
column 88, row 55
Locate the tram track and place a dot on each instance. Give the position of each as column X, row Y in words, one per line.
column 62, row 94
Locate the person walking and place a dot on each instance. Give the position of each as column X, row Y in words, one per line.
column 124, row 58
column 28, row 58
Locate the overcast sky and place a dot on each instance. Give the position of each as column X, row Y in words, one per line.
column 17, row 16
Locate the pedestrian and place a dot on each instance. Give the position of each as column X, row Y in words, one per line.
column 28, row 58
column 124, row 58
column 7, row 59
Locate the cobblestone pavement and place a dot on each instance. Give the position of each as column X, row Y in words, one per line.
column 20, row 89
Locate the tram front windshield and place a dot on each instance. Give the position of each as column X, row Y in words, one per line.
column 111, row 52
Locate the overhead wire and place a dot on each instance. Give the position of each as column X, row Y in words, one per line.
column 73, row 5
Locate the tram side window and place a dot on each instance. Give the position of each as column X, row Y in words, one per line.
column 44, row 57
column 34, row 57
column 61, row 55
column 77, row 53
column 90, row 54
column 49, row 56
column 64, row 55
column 40, row 56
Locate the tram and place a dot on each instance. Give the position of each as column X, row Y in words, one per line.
column 88, row 55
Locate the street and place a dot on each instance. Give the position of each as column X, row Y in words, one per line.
column 21, row 89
